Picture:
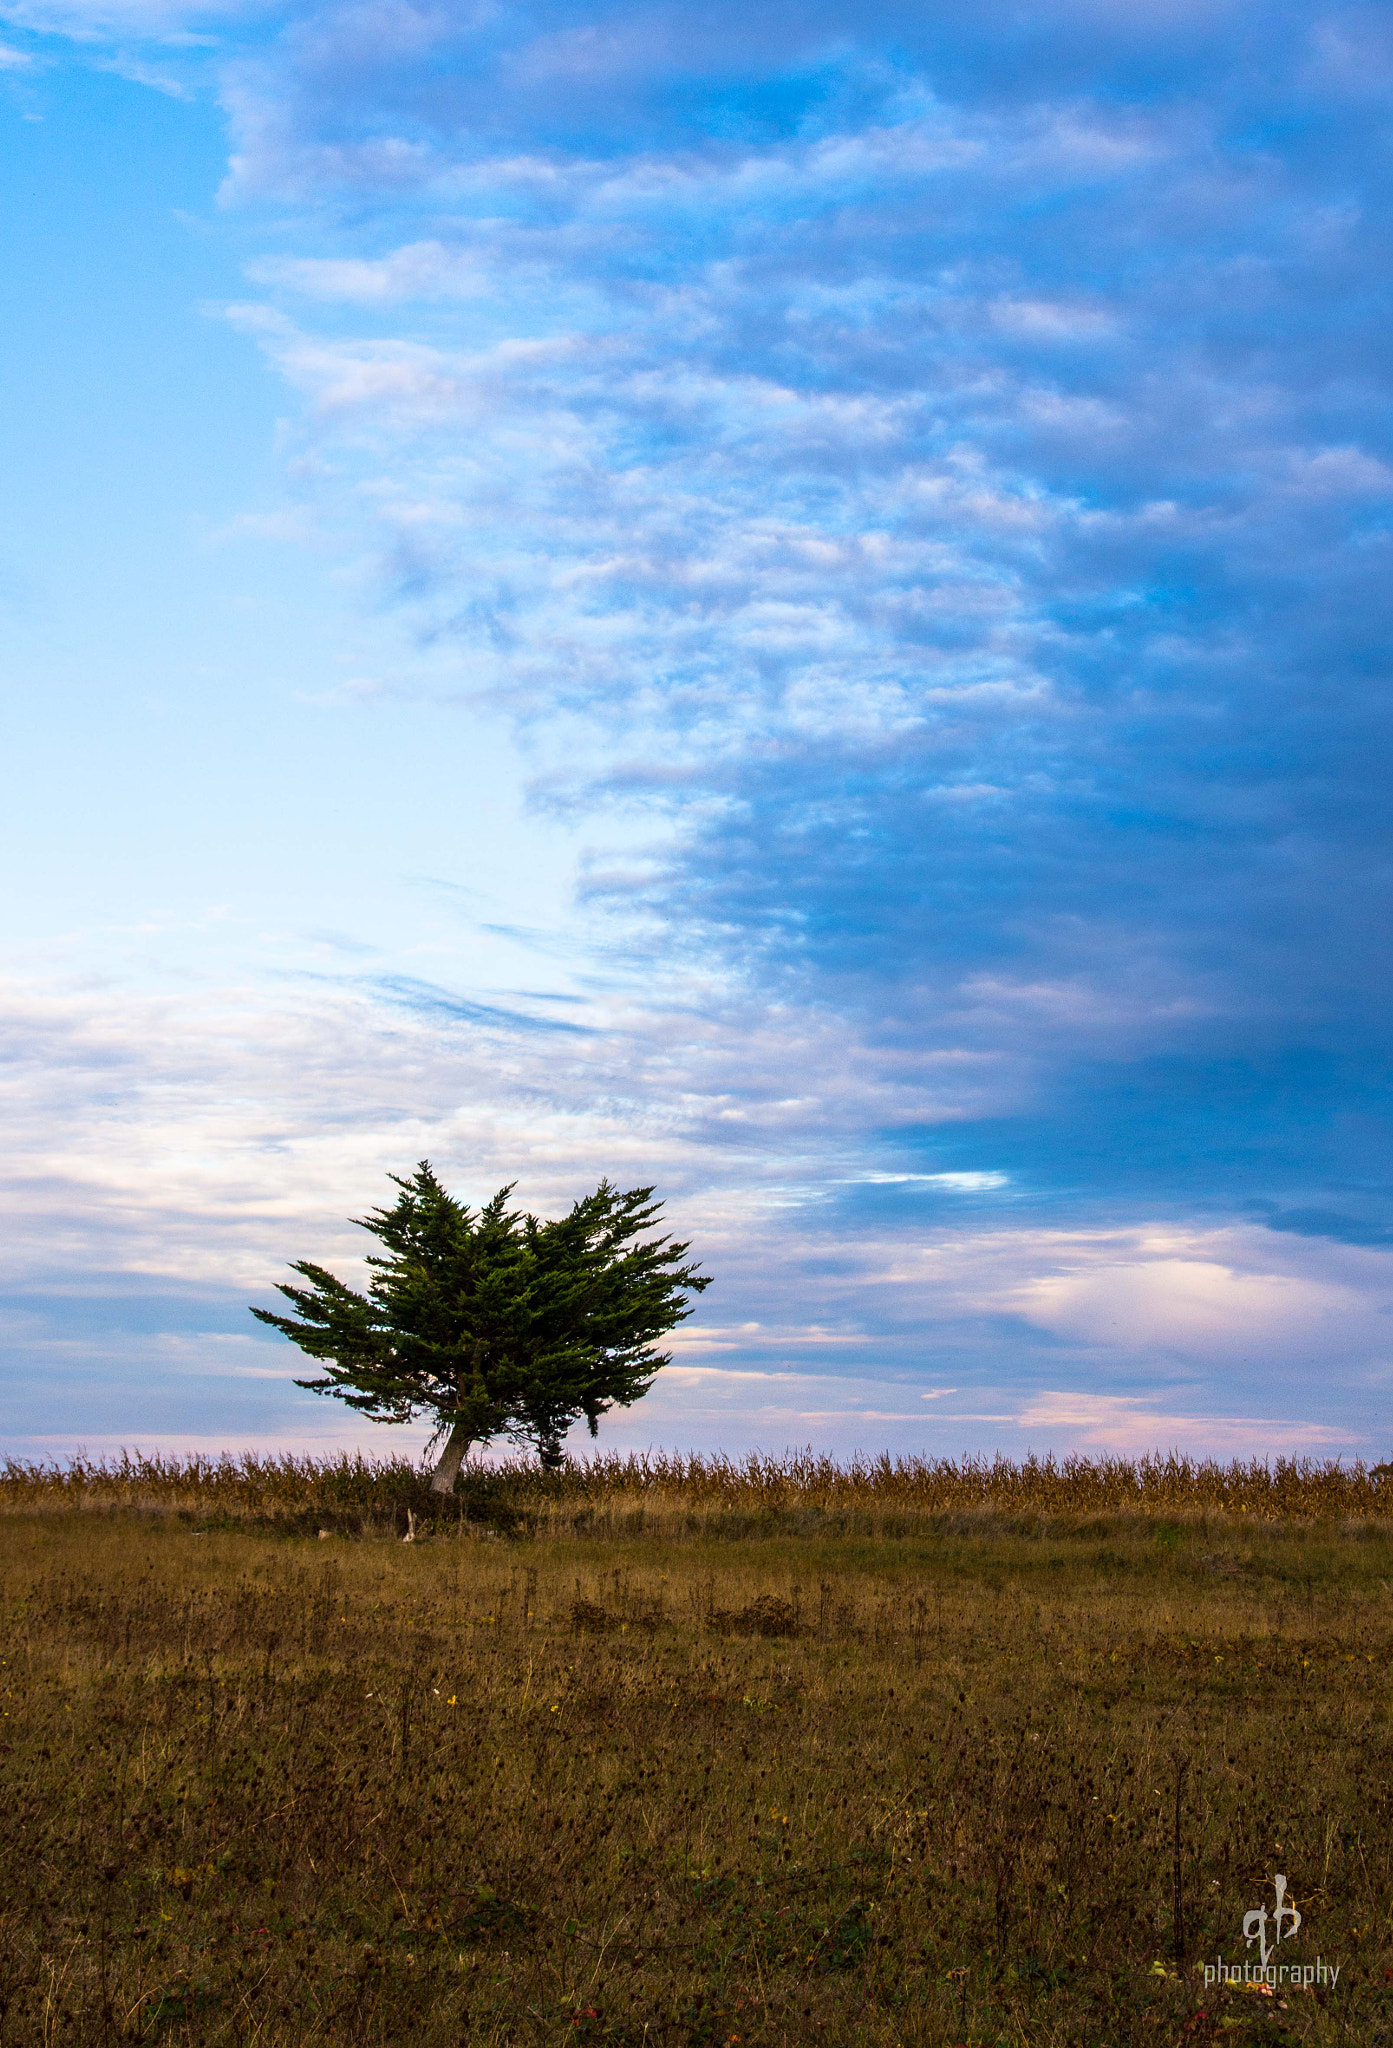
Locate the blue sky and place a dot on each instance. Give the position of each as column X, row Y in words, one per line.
column 791, row 602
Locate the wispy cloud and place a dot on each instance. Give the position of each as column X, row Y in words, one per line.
column 1132, row 1426
column 921, row 490
column 169, row 1157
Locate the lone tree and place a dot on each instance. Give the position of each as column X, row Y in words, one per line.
column 492, row 1323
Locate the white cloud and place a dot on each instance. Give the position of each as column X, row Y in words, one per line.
column 138, row 71
column 1052, row 320
column 1191, row 1307
column 1340, row 472
column 183, row 1134
column 169, row 23
column 418, row 270
column 963, row 1183
column 1132, row 1426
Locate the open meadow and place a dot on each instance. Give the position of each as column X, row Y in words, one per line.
column 680, row 1753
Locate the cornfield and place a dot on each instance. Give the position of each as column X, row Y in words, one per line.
column 800, row 1492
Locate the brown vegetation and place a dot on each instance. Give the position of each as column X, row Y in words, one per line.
column 805, row 1757
column 698, row 1494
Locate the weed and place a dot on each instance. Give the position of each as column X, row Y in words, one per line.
column 1007, row 1773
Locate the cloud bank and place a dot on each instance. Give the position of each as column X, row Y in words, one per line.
column 920, row 493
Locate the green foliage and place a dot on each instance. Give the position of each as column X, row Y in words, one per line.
column 493, row 1323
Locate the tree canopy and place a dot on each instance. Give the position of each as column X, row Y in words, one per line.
column 491, row 1322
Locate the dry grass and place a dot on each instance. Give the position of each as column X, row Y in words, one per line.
column 801, row 1491
column 685, row 1785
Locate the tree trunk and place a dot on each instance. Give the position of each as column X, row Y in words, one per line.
column 443, row 1478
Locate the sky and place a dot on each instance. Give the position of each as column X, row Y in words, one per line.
column 790, row 603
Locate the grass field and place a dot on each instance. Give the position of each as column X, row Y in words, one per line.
column 682, row 1753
